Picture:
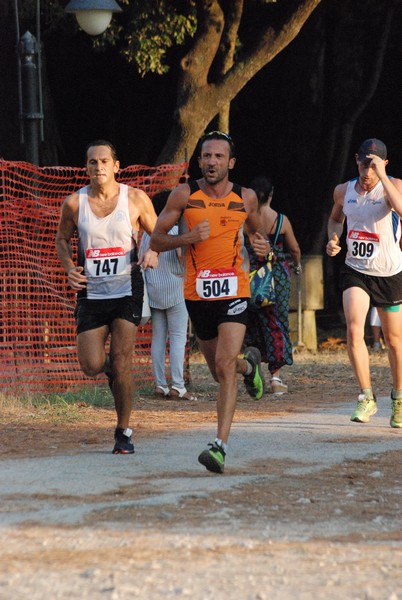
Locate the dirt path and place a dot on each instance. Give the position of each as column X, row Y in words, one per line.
column 309, row 505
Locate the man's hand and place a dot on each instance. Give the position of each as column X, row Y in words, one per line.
column 260, row 245
column 200, row 232
column 149, row 259
column 333, row 246
column 76, row 279
column 378, row 164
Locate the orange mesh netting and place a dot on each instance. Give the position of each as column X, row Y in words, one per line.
column 37, row 332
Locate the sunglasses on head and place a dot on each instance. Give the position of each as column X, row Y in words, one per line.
column 220, row 133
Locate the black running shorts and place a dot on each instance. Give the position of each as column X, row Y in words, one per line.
column 91, row 314
column 206, row 315
column 383, row 291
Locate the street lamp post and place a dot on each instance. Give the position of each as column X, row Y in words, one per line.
column 94, row 17
column 31, row 114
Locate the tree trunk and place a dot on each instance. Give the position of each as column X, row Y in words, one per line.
column 199, row 99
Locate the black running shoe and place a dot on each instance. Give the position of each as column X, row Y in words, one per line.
column 213, row 458
column 254, row 382
column 124, row 443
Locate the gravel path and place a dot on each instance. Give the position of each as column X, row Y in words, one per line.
column 308, row 508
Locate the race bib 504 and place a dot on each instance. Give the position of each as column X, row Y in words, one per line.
column 216, row 283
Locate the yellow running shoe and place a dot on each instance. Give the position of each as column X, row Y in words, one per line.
column 365, row 408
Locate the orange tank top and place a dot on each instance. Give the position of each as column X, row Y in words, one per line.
column 218, row 267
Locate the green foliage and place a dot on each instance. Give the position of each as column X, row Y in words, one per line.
column 152, row 28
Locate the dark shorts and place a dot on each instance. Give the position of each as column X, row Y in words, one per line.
column 206, row 315
column 383, row 291
column 91, row 314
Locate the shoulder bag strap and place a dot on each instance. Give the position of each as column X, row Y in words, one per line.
column 278, row 227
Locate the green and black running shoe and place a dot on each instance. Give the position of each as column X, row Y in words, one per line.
column 213, row 458
column 254, row 382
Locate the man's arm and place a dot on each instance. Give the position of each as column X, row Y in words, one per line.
column 170, row 215
column 253, row 222
column 336, row 221
column 66, row 229
column 142, row 211
column 392, row 187
column 145, row 209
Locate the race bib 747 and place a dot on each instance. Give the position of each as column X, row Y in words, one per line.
column 105, row 262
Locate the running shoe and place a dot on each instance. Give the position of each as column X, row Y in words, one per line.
column 254, row 382
column 124, row 443
column 365, row 408
column 213, row 458
column 396, row 414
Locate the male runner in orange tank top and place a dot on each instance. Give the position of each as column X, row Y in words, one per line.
column 212, row 213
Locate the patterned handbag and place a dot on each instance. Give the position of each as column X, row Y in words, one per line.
column 262, row 283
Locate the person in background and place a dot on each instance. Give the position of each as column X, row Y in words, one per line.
column 107, row 217
column 268, row 327
column 213, row 212
column 375, row 325
column 372, row 206
column 168, row 314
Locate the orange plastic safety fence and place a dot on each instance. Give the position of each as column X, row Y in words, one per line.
column 37, row 331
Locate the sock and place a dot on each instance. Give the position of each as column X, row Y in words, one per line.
column 396, row 394
column 368, row 392
column 224, row 446
column 249, row 367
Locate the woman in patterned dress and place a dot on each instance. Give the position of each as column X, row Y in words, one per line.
column 268, row 327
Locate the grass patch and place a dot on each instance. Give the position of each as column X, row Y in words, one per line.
column 96, row 396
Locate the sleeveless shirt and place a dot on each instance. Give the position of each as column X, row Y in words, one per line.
column 106, row 249
column 216, row 268
column 373, row 232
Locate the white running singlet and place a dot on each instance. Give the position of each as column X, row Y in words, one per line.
column 373, row 232
column 106, row 248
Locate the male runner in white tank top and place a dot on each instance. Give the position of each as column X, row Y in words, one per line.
column 108, row 280
column 372, row 206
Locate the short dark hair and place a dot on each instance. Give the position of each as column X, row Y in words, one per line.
column 101, row 143
column 217, row 135
column 263, row 188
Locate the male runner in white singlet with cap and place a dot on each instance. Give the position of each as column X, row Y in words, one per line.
column 372, row 206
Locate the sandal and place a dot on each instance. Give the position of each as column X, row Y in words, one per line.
column 278, row 387
column 162, row 391
column 181, row 393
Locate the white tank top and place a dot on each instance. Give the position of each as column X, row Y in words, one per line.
column 373, row 232
column 106, row 248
